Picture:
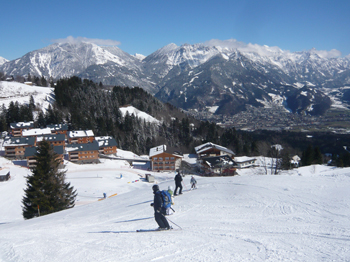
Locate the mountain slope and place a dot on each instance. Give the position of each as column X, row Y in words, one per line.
column 301, row 215
column 21, row 93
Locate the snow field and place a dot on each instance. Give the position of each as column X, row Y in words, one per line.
column 300, row 215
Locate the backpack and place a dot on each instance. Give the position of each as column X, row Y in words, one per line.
column 166, row 197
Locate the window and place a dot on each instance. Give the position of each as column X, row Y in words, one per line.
column 167, row 158
column 155, row 158
column 160, row 158
column 172, row 158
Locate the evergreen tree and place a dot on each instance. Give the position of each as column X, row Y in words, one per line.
column 46, row 186
column 307, row 157
column 318, row 159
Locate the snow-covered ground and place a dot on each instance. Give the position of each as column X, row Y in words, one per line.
column 300, row 215
column 140, row 114
column 13, row 91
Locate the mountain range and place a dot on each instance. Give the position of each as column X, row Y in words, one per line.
column 201, row 77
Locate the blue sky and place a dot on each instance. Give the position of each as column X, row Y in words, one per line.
column 143, row 26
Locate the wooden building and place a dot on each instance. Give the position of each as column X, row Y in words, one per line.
column 15, row 146
column 162, row 160
column 17, row 128
column 245, row 162
column 81, row 137
column 217, row 165
column 59, row 129
column 83, row 153
column 4, row 174
column 107, row 145
column 55, row 140
column 31, row 152
column 209, row 149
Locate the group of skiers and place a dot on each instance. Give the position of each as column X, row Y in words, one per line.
column 164, row 199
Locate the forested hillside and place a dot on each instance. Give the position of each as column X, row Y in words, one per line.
column 84, row 104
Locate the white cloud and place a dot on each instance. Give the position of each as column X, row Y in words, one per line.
column 326, row 54
column 265, row 50
column 241, row 46
column 230, row 43
column 79, row 39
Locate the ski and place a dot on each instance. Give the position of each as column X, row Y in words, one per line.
column 155, row 230
column 148, row 230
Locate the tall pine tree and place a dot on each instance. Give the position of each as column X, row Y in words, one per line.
column 46, row 186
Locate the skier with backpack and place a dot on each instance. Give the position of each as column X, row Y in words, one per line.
column 162, row 201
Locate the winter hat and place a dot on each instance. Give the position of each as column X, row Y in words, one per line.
column 155, row 188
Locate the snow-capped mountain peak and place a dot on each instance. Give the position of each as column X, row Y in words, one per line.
column 191, row 76
column 3, row 60
column 139, row 56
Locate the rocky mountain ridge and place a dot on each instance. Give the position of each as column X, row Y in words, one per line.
column 203, row 76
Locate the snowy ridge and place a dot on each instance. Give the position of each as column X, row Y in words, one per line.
column 222, row 74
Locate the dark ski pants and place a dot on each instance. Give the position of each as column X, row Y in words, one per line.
column 176, row 187
column 161, row 220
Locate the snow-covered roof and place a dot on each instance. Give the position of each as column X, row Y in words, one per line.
column 296, row 158
column 83, row 147
column 104, row 141
column 19, row 141
column 58, row 127
column 209, row 145
column 157, row 150
column 216, row 160
column 243, row 159
column 58, row 137
column 36, row 132
column 31, row 151
column 29, row 124
column 80, row 133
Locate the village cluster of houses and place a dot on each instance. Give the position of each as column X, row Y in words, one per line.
column 80, row 146
column 210, row 159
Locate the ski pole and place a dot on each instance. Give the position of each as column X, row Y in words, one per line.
column 172, row 222
column 184, row 185
column 172, row 209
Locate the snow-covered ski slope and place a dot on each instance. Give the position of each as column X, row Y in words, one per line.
column 300, row 215
column 13, row 91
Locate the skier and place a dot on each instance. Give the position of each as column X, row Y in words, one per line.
column 178, row 180
column 169, row 210
column 171, row 192
column 159, row 212
column 193, row 183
